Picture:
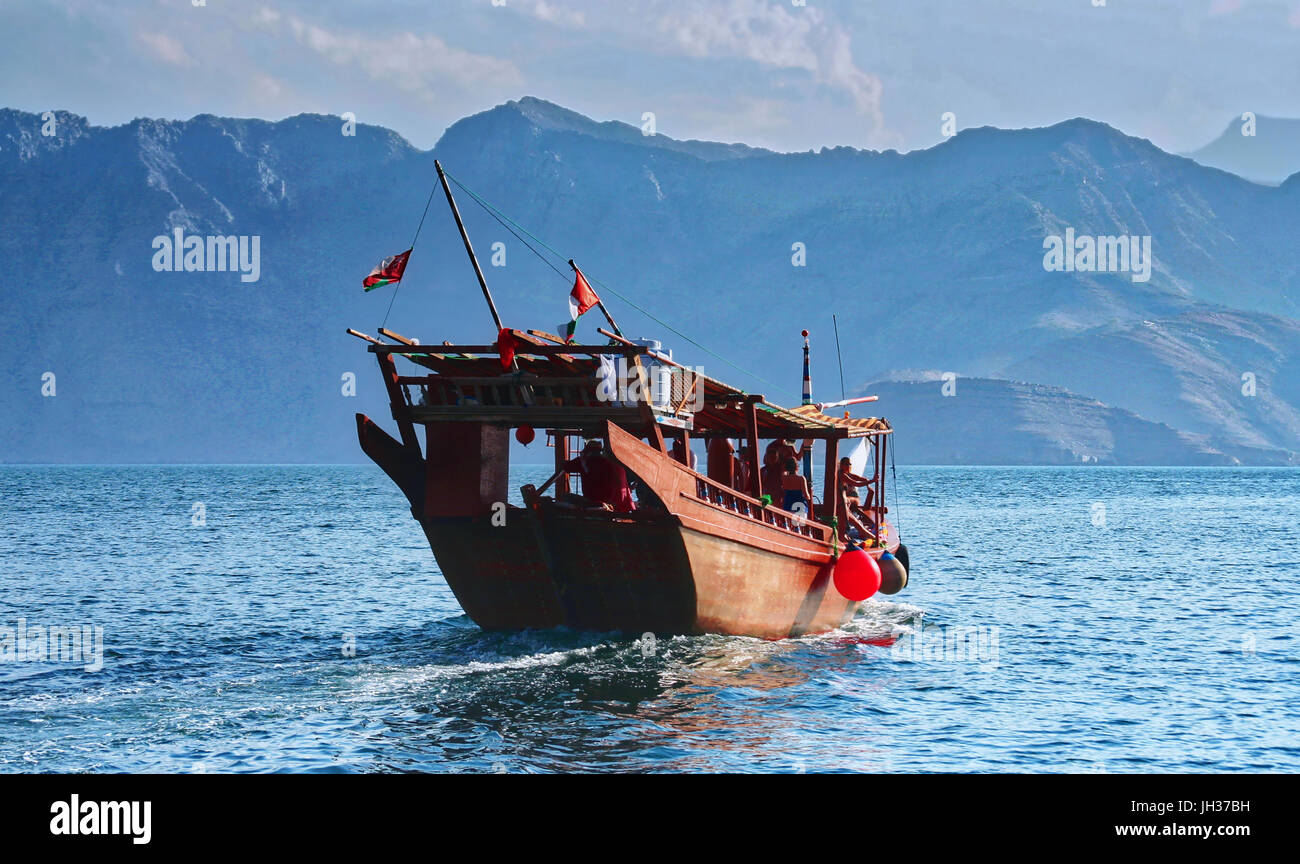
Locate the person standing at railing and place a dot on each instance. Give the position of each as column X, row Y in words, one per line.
column 740, row 470
column 782, row 449
column 720, row 462
column 777, row 454
column 796, row 497
column 746, row 482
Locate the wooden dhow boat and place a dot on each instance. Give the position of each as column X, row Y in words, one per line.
column 702, row 552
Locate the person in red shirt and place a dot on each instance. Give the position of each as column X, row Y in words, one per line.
column 604, row 481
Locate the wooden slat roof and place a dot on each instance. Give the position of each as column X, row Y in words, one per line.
column 722, row 411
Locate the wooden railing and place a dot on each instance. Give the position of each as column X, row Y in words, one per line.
column 502, row 390
column 505, row 396
column 729, row 499
column 522, row 351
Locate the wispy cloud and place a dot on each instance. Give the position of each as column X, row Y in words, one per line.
column 554, row 13
column 166, row 48
column 419, row 64
column 765, row 72
column 783, row 37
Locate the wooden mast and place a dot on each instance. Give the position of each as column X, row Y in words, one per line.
column 469, row 248
column 751, row 429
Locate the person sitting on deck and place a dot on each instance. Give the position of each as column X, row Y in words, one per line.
column 857, row 523
column 849, row 480
column 604, row 481
column 794, row 490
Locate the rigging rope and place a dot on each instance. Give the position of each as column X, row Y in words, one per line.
column 898, row 505
column 412, row 246
column 505, row 223
column 504, row 219
column 838, row 355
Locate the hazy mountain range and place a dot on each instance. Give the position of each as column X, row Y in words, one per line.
column 1266, row 149
column 933, row 262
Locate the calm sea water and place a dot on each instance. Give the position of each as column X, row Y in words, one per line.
column 1120, row 620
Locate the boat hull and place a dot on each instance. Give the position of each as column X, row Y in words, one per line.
column 593, row 571
column 692, row 563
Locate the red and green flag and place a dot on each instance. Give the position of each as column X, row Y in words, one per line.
column 389, row 271
column 581, row 298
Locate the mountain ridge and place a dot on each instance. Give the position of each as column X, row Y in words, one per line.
column 1271, row 155
column 931, row 258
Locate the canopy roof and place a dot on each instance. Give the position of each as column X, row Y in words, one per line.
column 540, row 365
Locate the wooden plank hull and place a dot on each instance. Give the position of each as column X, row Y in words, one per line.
column 549, row 569
column 698, row 564
column 745, row 591
column 593, row 571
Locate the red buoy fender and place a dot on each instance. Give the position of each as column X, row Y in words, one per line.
column 856, row 575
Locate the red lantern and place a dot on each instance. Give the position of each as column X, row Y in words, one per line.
column 525, row 435
column 856, row 575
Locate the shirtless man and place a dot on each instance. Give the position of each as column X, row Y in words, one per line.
column 794, row 490
column 782, row 449
column 849, row 480
column 848, row 503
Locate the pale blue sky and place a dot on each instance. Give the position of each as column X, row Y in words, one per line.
column 766, row 72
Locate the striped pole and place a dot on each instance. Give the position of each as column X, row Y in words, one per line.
column 807, row 400
column 807, row 376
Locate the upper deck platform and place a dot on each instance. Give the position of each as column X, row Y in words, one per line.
column 562, row 386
